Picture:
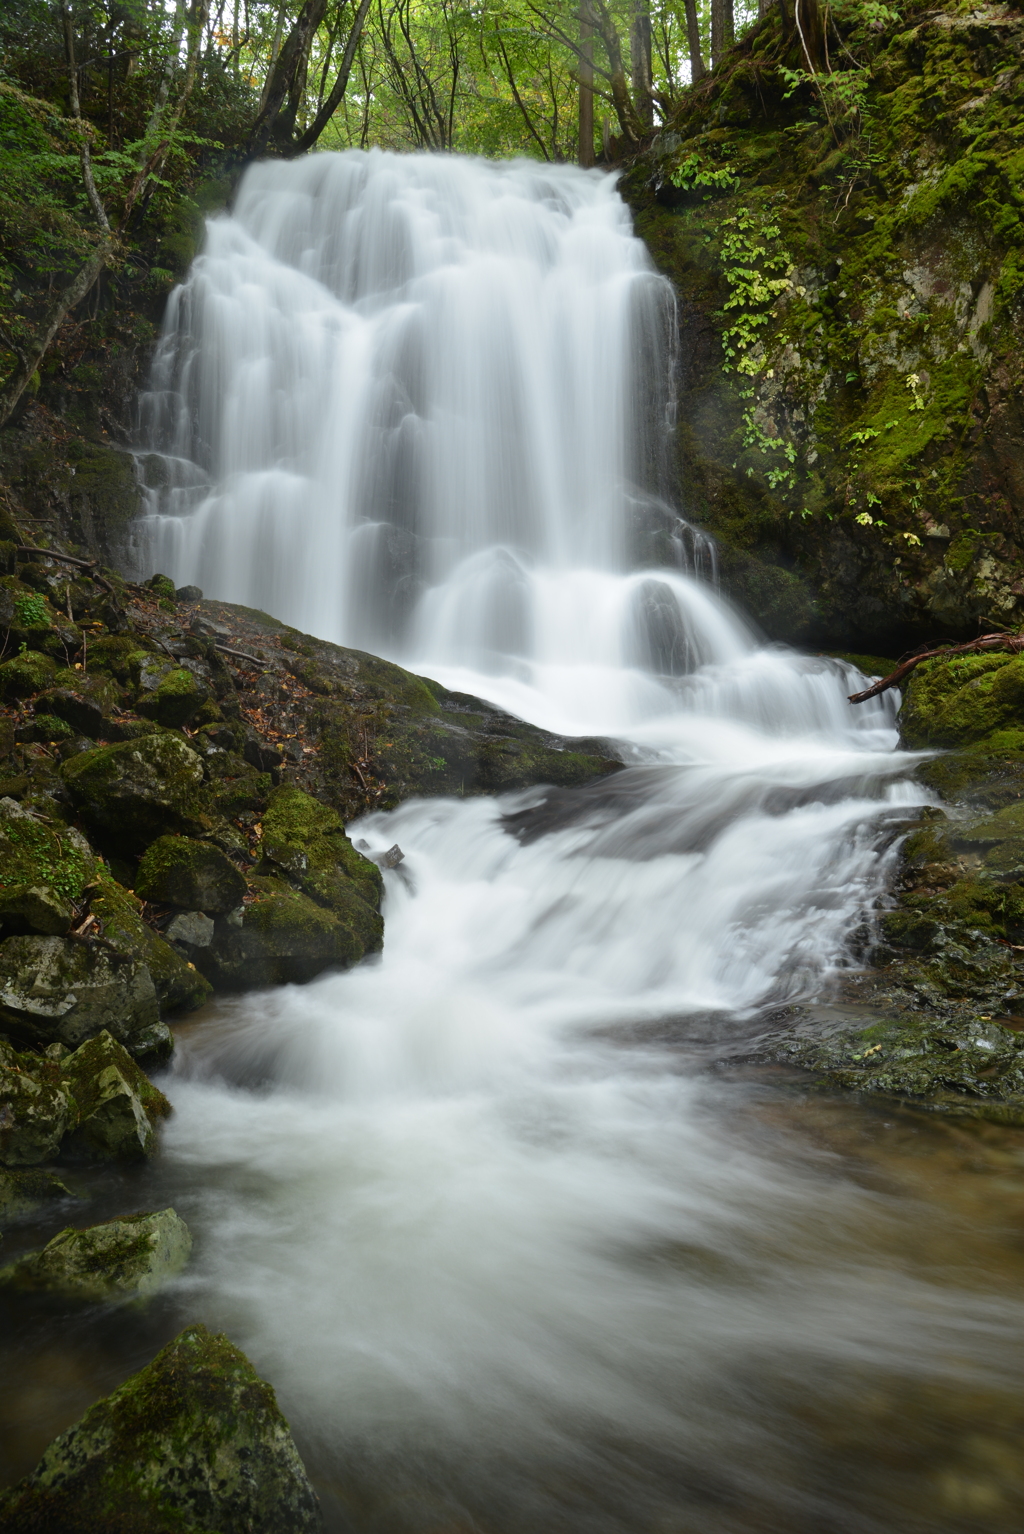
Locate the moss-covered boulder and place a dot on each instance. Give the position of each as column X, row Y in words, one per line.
column 175, row 696
column 306, row 840
column 131, row 793
column 281, row 935
column 176, row 870
column 130, row 1257
column 36, row 1109
column 193, row 1442
column 117, row 1106
column 55, row 989
column 179, row 987
column 24, row 675
column 42, row 871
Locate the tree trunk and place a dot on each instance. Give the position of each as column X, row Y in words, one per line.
column 721, row 29
column 586, row 147
column 15, row 385
column 807, row 16
column 697, row 70
column 289, row 67
column 640, row 55
column 334, row 100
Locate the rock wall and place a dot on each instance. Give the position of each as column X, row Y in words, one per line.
column 851, row 314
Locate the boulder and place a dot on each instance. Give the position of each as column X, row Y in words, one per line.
column 282, row 935
column 306, row 840
column 175, row 699
column 179, row 987
column 42, row 871
column 125, row 1258
column 23, row 675
column 57, row 989
column 175, row 870
column 136, row 791
column 35, row 1109
column 25, row 1190
column 117, row 1106
column 195, row 1441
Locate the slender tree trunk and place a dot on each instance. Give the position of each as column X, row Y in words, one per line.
column 334, row 100
column 640, row 56
column 807, row 16
column 15, row 385
column 288, row 68
column 721, row 28
column 697, row 70
column 586, row 150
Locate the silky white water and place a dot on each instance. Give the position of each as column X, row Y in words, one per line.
column 513, row 1255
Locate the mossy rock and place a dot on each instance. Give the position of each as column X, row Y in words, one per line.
column 175, row 870
column 130, row 1257
column 24, row 675
column 37, row 1110
column 972, row 1068
column 284, row 936
column 179, row 986
column 962, row 701
column 177, row 698
column 162, row 586
column 42, row 871
column 131, row 793
column 84, row 707
column 307, row 840
column 118, row 1107
column 53, row 989
column 193, row 1442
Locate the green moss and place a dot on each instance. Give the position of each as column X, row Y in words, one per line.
column 307, row 839
column 131, row 793
column 179, row 986
column 176, row 870
column 24, row 675
column 195, row 1441
column 175, row 700
column 962, row 701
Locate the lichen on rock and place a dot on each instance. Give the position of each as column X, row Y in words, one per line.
column 129, row 1257
column 195, row 1441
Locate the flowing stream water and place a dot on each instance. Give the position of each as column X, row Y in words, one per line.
column 520, row 1242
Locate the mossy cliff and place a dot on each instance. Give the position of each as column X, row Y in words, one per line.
column 849, row 259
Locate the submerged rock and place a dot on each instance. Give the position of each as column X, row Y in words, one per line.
column 195, row 1441
column 126, row 1258
column 27, row 1189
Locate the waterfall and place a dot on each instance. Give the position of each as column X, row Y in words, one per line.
column 518, row 1251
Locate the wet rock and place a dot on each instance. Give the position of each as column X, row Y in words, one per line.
column 176, row 870
column 191, row 929
column 25, row 1190
column 188, row 594
column 973, row 1068
column 176, row 698
column 36, row 1110
column 139, row 790
column 195, row 1441
column 118, row 1107
column 306, row 840
column 283, row 936
column 56, row 989
column 42, row 871
column 179, row 988
column 24, row 675
column 126, row 1258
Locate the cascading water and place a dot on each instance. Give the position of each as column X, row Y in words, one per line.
column 513, row 1258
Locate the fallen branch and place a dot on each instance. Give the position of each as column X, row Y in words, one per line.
column 240, row 655
column 1013, row 643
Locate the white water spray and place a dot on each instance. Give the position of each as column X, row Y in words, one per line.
column 511, row 1260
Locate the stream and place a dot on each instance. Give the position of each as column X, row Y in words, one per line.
column 520, row 1234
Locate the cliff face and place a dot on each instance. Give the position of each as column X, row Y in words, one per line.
column 849, row 261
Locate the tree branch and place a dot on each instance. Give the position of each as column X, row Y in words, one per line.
column 1013, row 643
